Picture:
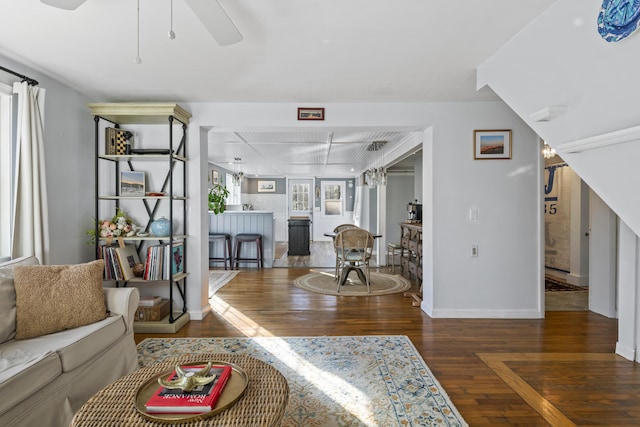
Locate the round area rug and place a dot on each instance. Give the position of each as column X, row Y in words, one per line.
column 323, row 282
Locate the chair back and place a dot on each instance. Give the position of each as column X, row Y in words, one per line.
column 343, row 227
column 354, row 244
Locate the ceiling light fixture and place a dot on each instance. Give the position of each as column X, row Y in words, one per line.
column 137, row 59
column 237, row 172
column 172, row 35
column 548, row 152
column 376, row 175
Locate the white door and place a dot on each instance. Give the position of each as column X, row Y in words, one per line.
column 301, row 198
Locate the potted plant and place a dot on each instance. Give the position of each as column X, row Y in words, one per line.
column 216, row 199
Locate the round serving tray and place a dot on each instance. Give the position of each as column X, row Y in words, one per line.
column 232, row 391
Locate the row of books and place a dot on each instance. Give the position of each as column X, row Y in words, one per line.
column 119, row 261
column 202, row 398
column 162, row 262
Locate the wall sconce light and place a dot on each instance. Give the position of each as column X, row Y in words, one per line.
column 548, row 152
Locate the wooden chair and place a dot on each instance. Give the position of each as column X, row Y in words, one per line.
column 354, row 247
column 336, row 230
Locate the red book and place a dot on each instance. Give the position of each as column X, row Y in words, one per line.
column 200, row 399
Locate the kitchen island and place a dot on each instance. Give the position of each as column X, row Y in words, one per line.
column 250, row 221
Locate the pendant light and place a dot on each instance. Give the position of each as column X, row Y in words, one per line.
column 237, row 172
column 138, row 59
column 172, row 35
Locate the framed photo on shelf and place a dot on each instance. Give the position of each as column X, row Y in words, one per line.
column 266, row 186
column 177, row 254
column 131, row 184
column 310, row 113
column 492, row 144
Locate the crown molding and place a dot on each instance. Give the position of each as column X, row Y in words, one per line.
column 600, row 141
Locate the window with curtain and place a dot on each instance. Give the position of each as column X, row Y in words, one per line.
column 6, row 171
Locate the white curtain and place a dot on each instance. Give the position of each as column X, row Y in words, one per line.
column 30, row 227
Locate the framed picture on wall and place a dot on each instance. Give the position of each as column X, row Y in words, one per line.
column 266, row 186
column 492, row 144
column 216, row 178
column 310, row 113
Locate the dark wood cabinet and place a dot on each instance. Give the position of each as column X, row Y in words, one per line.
column 299, row 236
column 411, row 255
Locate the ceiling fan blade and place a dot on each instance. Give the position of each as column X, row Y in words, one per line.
column 216, row 21
column 64, row 4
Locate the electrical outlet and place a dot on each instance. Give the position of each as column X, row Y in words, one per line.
column 473, row 250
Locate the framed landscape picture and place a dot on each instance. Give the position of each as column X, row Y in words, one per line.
column 131, row 184
column 266, row 186
column 492, row 144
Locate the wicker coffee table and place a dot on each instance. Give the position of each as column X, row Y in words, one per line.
column 263, row 403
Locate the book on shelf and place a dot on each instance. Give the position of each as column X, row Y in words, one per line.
column 110, row 141
column 149, row 301
column 201, row 399
column 127, row 258
column 112, row 270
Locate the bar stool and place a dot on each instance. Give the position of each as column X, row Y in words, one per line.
column 393, row 249
column 248, row 238
column 226, row 245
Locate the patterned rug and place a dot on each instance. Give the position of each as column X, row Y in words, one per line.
column 323, row 282
column 219, row 278
column 336, row 381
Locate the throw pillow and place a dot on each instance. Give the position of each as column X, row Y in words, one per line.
column 52, row 298
column 8, row 297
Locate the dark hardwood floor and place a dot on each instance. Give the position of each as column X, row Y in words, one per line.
column 555, row 371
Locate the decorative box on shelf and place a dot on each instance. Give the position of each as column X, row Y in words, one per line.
column 152, row 314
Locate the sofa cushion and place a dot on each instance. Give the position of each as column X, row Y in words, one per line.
column 53, row 298
column 8, row 297
column 75, row 346
column 20, row 381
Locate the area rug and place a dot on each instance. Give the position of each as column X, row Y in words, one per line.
column 323, row 282
column 336, row 381
column 552, row 285
column 217, row 279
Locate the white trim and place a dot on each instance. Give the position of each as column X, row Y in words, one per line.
column 600, row 141
column 6, row 89
column 200, row 314
column 486, row 314
column 548, row 113
column 625, row 351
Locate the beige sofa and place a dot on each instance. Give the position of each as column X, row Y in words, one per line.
column 44, row 380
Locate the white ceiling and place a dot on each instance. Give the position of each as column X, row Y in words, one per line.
column 313, row 51
column 313, row 152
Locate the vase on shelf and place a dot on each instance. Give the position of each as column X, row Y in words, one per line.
column 161, row 227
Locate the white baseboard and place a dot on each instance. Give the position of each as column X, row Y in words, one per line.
column 627, row 352
column 574, row 279
column 486, row 314
column 200, row 314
